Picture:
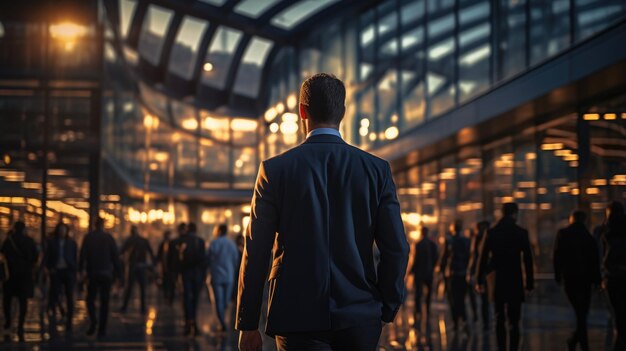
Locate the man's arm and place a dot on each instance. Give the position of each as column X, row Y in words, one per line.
column 485, row 251
column 528, row 262
column 259, row 240
column 394, row 250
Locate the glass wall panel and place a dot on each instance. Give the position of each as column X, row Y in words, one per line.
column 474, row 50
column 512, row 37
column 549, row 28
column 220, row 56
column 185, row 49
column 249, row 71
column 153, row 30
column 594, row 15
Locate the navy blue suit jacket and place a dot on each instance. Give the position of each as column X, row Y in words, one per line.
column 70, row 252
column 317, row 211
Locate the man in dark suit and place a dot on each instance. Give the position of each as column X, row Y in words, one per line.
column 477, row 243
column 322, row 205
column 100, row 258
column 192, row 266
column 502, row 253
column 425, row 258
column 136, row 250
column 453, row 265
column 168, row 273
column 577, row 266
column 60, row 260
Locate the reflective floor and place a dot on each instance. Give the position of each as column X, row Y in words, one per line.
column 545, row 327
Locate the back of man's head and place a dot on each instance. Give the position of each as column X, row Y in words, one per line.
column 323, row 98
column 579, row 216
column 222, row 230
column 182, row 228
column 99, row 223
column 191, row 228
column 425, row 232
column 482, row 225
column 509, row 210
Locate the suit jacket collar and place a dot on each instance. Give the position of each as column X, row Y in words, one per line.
column 324, row 139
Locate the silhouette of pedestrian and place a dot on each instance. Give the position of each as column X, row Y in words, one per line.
column 477, row 241
column 191, row 265
column 223, row 260
column 137, row 250
column 424, row 260
column 454, row 261
column 165, row 261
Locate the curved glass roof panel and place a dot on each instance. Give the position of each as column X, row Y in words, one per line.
column 249, row 73
column 218, row 60
column 298, row 12
column 214, row 2
column 126, row 8
column 254, row 8
column 185, row 50
column 153, row 32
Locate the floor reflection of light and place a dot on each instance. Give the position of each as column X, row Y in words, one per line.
column 150, row 322
column 411, row 340
column 442, row 331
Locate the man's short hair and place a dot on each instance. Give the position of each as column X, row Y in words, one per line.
column 579, row 216
column 424, row 232
column 483, row 224
column 509, row 209
column 191, row 227
column 222, row 229
column 182, row 226
column 323, row 96
column 99, row 223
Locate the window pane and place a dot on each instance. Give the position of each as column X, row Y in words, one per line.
column 512, row 34
column 153, row 30
column 300, row 11
column 185, row 49
column 249, row 74
column 220, row 56
column 549, row 28
column 127, row 9
column 254, row 8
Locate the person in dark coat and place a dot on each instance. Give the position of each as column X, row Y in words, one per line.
column 614, row 268
column 477, row 242
column 168, row 273
column 100, row 259
column 61, row 262
column 425, row 256
column 191, row 265
column 576, row 266
column 136, row 251
column 453, row 265
column 21, row 254
column 322, row 205
column 504, row 248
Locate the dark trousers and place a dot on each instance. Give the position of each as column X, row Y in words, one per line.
column 423, row 287
column 579, row 295
column 169, row 286
column 457, row 288
column 136, row 275
column 616, row 289
column 358, row 338
column 511, row 312
column 221, row 293
column 192, row 285
column 99, row 285
column 7, row 298
column 63, row 279
column 484, row 305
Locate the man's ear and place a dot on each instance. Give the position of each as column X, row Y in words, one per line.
column 302, row 110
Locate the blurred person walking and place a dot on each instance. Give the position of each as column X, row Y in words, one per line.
column 61, row 262
column 136, row 251
column 614, row 268
column 20, row 253
column 165, row 260
column 191, row 265
column 222, row 260
column 577, row 268
column 476, row 243
column 453, row 265
column 425, row 256
column 100, row 259
column 504, row 248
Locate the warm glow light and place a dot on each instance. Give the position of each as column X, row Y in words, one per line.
column 150, row 121
column 228, row 213
column 288, row 128
column 610, row 116
column 290, row 117
column 591, row 116
column 599, row 182
column 372, row 136
column 292, row 100
column 270, row 114
column 564, row 152
column 243, row 125
column 236, row 228
column 67, row 31
column 239, row 163
column 280, row 107
column 274, row 127
column 552, row 146
column 575, row 191
column 592, row 191
column 215, row 124
column 190, row 123
column 392, row 132
column 572, row 157
column 6, row 159
column 365, row 123
column 623, row 115
column 161, row 156
column 363, row 131
column 207, row 67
